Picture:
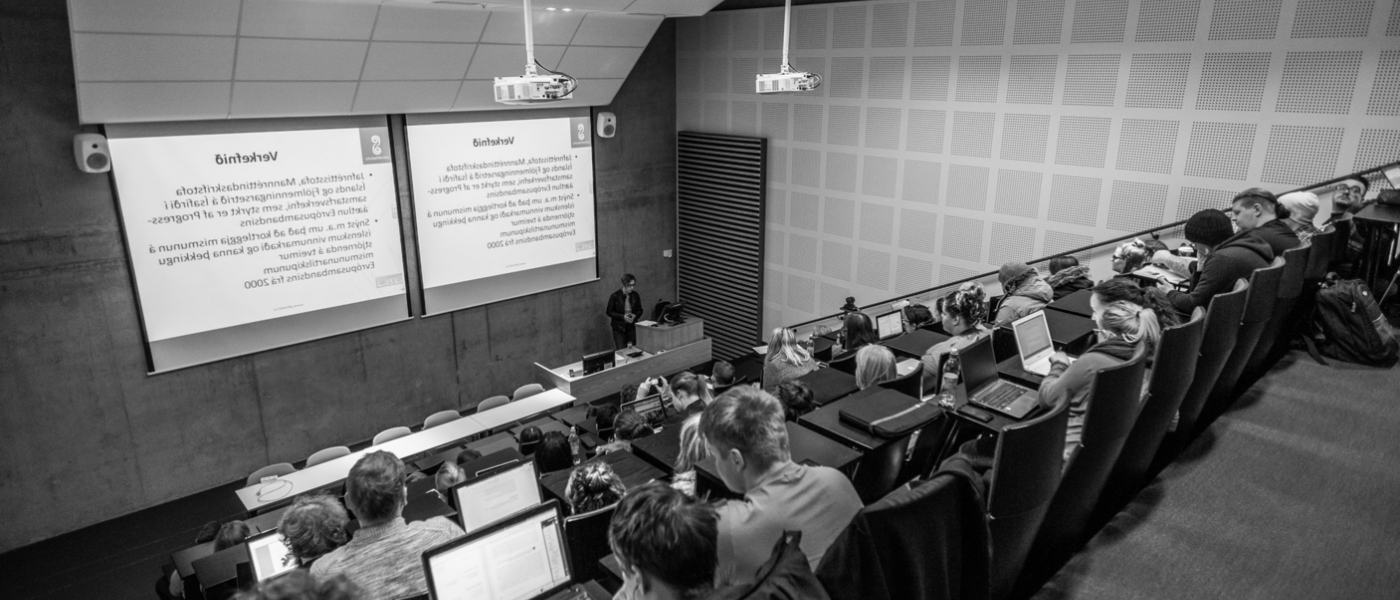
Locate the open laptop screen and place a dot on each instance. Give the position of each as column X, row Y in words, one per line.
column 652, row 408
column 269, row 555
column 889, row 325
column 978, row 364
column 519, row 559
column 488, row 499
column 1032, row 335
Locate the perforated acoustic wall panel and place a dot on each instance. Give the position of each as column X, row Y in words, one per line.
column 952, row 135
column 721, row 199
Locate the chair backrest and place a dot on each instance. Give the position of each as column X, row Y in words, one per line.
column 1280, row 326
column 492, row 402
column 1172, row 371
column 1222, row 324
column 1114, row 402
column 587, row 536
column 1323, row 247
column 1029, row 459
column 910, row 385
column 845, row 363
column 1295, row 266
column 1340, row 240
column 392, row 433
column 331, row 453
column 278, row 469
column 879, row 470
column 527, row 390
column 440, row 417
column 1258, row 307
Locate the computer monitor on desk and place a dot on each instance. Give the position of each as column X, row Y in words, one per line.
column 521, row 558
column 269, row 555
column 652, row 408
column 598, row 361
column 499, row 493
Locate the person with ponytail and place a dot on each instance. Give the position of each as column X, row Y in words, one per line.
column 787, row 359
column 1127, row 290
column 1123, row 329
column 964, row 314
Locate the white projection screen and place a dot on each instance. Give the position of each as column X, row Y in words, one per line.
column 502, row 203
column 250, row 235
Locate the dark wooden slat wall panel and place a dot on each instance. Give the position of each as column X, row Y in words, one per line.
column 721, row 183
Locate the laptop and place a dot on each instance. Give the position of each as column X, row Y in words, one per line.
column 890, row 324
column 269, row 555
column 1033, row 342
column 653, row 408
column 522, row 558
column 502, row 491
column 984, row 388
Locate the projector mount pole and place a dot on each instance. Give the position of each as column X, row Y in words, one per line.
column 530, row 42
column 787, row 22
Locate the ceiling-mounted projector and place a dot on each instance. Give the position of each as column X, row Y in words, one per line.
column 534, row 89
column 786, row 83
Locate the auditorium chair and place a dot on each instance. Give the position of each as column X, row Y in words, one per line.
column 880, row 469
column 1340, row 241
column 1172, row 372
column 325, row 455
column 1025, row 474
column 392, row 433
column 278, row 469
column 1280, row 325
column 1258, row 307
column 492, row 402
column 845, row 363
column 440, row 417
column 1113, row 405
column 525, row 391
column 1222, row 323
column 587, row 537
column 910, row 385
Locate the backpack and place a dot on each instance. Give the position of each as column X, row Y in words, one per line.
column 1352, row 325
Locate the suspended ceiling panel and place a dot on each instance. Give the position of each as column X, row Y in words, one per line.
column 175, row 60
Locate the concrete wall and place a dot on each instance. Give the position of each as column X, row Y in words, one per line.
column 78, row 414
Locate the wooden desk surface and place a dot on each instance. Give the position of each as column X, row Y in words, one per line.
column 495, row 443
column 1075, row 304
column 660, row 449
column 915, row 343
column 828, row 385
column 545, row 424
column 572, row 416
column 407, row 448
column 827, row 421
column 424, row 503
column 632, row 470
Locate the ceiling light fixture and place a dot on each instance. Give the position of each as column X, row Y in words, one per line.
column 533, row 88
column 787, row 80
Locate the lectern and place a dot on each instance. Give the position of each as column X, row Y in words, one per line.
column 658, row 338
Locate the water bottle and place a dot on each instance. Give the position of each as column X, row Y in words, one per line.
column 951, row 373
column 574, row 446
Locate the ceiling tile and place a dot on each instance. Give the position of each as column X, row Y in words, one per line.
column 101, row 102
column 154, row 16
column 121, row 57
column 551, row 27
column 291, row 98
column 495, row 60
column 602, row 29
column 674, row 8
column 427, row 23
column 587, row 62
column 397, row 61
column 261, row 59
column 303, row 19
column 380, row 97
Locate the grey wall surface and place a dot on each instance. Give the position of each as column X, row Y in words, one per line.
column 79, row 416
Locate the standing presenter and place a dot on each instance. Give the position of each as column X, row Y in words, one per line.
column 624, row 309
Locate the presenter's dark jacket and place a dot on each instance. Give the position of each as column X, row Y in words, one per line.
column 617, row 309
column 1235, row 258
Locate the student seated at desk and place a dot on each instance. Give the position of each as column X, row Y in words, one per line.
column 692, row 451
column 300, row 585
column 1023, row 292
column 593, row 486
column 857, row 332
column 385, row 556
column 965, row 318
column 1067, row 276
column 1127, row 290
column 796, row 398
column 224, row 536
column 313, row 526
column 1224, row 258
column 529, row 439
column 874, row 364
column 554, row 453
column 786, row 360
column 721, row 377
column 448, row 475
column 628, row 426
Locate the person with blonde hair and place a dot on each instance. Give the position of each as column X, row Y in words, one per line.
column 874, row 364
column 692, row 452
column 1130, row 256
column 787, row 359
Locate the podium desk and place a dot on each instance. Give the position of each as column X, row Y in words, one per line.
column 587, row 388
column 655, row 339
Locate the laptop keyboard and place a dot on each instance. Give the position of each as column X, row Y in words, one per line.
column 1000, row 396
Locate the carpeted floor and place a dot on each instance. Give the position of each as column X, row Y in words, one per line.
column 1294, row 493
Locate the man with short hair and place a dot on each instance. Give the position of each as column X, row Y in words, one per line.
column 385, row 555
column 744, row 431
column 624, row 310
column 722, row 376
column 1256, row 213
column 665, row 543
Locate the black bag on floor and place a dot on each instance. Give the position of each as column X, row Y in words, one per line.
column 1352, row 326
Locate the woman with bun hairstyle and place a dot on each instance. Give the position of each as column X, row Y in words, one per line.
column 964, row 314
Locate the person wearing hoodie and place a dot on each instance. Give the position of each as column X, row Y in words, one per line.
column 1024, row 292
column 1257, row 211
column 1067, row 276
column 1224, row 258
column 1124, row 328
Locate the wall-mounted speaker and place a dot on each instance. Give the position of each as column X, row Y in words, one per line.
column 90, row 150
column 607, row 124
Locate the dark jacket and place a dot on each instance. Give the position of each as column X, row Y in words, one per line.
column 1235, row 258
column 616, row 309
column 1070, row 280
column 928, row 542
column 1277, row 235
column 785, row 576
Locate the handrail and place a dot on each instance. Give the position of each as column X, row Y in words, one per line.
column 1359, row 174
